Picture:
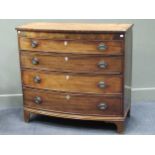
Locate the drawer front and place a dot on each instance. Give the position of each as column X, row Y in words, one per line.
column 72, row 63
column 73, row 103
column 71, row 36
column 73, row 46
column 73, row 82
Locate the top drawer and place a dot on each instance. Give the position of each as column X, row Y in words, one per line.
column 71, row 46
column 71, row 36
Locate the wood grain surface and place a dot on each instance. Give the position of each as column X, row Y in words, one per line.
column 72, row 36
column 73, row 46
column 72, row 63
column 75, row 27
column 75, row 104
column 73, row 82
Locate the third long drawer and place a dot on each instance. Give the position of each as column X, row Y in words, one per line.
column 82, row 83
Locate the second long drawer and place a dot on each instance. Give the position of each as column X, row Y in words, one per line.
column 85, row 83
column 72, row 63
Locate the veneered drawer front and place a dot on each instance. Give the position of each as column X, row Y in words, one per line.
column 72, row 63
column 73, row 103
column 74, row 46
column 73, row 82
column 71, row 36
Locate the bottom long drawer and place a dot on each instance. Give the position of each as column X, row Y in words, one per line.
column 73, row 103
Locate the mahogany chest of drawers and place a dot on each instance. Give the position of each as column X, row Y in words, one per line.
column 77, row 71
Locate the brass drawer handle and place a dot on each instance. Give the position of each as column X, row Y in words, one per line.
column 102, row 47
column 35, row 61
column 102, row 106
column 102, row 64
column 34, row 43
column 37, row 79
column 38, row 100
column 102, row 84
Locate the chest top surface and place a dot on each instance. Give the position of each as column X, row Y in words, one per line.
column 74, row 27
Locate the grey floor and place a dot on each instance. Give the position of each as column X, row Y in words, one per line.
column 142, row 121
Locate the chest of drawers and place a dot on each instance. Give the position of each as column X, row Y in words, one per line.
column 77, row 71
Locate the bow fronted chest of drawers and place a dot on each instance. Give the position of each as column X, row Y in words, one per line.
column 77, row 71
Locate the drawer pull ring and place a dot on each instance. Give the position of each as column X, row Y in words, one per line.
column 35, row 61
column 102, row 84
column 37, row 79
column 102, row 106
column 34, row 43
column 37, row 100
column 102, row 47
column 102, row 65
